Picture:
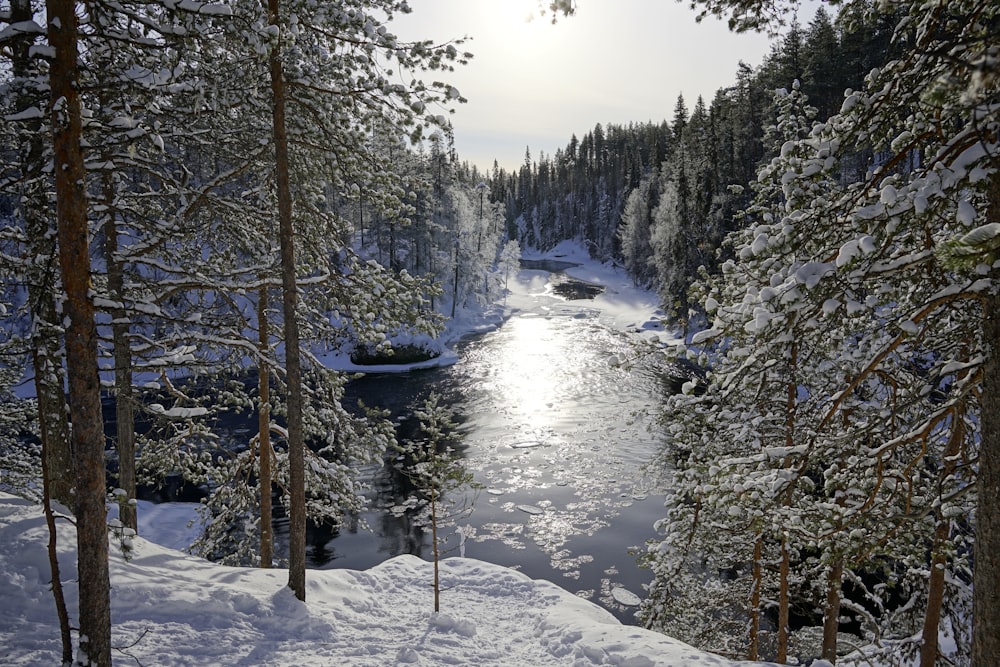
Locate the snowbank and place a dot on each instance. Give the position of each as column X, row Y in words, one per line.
column 181, row 610
column 622, row 305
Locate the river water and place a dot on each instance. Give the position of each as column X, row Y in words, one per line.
column 556, row 436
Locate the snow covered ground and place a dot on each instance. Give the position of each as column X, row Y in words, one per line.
column 169, row 609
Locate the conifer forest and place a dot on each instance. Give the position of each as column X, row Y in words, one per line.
column 199, row 198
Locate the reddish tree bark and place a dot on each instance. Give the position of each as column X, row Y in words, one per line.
column 40, row 275
column 81, row 338
column 831, row 614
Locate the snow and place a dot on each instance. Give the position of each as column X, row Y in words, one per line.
column 176, row 412
column 981, row 235
column 847, row 253
column 22, row 28
column 625, row 596
column 622, row 305
column 31, row 113
column 181, row 610
column 966, row 213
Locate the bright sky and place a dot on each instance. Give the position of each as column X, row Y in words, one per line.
column 535, row 84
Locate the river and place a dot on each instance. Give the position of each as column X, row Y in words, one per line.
column 556, row 435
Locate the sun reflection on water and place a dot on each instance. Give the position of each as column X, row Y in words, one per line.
column 557, row 436
column 526, row 380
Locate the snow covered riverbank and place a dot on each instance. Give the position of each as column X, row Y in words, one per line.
column 622, row 305
column 170, row 608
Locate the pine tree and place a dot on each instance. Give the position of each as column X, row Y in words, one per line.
column 81, row 337
column 435, row 469
column 897, row 267
column 28, row 184
column 635, row 232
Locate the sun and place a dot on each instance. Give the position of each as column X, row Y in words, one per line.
column 517, row 13
column 523, row 18
column 523, row 25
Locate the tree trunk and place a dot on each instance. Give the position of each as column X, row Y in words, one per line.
column 124, row 408
column 434, row 549
column 936, row 581
column 781, row 655
column 45, row 336
column 57, row 589
column 758, row 583
column 46, row 354
column 81, row 338
column 784, row 567
column 935, row 596
column 264, row 432
column 831, row 614
column 290, row 297
column 53, row 418
column 986, row 578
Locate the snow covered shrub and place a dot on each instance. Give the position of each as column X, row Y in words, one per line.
column 339, row 441
column 20, row 448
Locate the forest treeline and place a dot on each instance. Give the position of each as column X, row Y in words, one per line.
column 660, row 196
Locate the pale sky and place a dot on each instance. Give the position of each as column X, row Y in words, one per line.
column 535, row 84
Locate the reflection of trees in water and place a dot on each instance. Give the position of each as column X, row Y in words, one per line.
column 317, row 543
column 399, row 532
column 550, row 265
column 396, row 534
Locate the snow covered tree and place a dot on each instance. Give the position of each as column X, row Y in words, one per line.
column 21, row 473
column 737, row 449
column 634, row 232
column 32, row 229
column 509, row 259
column 669, row 242
column 435, row 469
column 329, row 82
column 883, row 283
column 81, row 335
column 138, row 87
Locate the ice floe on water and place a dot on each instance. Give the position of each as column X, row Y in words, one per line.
column 625, row 597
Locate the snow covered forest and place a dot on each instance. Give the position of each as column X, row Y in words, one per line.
column 203, row 203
